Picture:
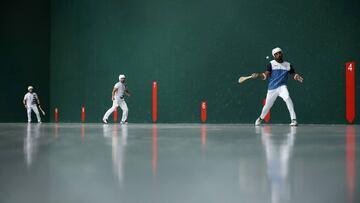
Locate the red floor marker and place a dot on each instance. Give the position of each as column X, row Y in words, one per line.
column 115, row 115
column 203, row 111
column 154, row 102
column 350, row 91
column 267, row 117
column 56, row 115
column 83, row 114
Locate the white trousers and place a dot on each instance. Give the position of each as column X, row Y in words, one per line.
column 271, row 96
column 36, row 111
column 123, row 107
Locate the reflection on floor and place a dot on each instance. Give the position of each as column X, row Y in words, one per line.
column 278, row 150
column 178, row 163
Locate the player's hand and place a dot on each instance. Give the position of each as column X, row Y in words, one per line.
column 298, row 78
column 112, row 98
column 255, row 75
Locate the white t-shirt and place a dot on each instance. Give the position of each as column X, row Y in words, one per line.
column 119, row 94
column 30, row 98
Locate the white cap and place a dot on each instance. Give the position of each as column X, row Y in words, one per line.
column 276, row 50
column 30, row 87
column 121, row 77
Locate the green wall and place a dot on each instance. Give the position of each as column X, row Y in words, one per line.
column 24, row 55
column 197, row 50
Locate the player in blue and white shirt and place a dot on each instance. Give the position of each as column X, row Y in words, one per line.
column 277, row 72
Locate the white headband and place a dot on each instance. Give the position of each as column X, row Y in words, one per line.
column 276, row 50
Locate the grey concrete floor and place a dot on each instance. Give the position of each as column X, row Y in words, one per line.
column 167, row 163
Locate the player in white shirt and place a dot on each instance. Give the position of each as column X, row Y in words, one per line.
column 118, row 97
column 31, row 100
column 277, row 72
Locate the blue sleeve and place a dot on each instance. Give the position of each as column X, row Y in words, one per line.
column 292, row 70
column 269, row 68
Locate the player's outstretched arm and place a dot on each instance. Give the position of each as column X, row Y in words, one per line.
column 297, row 76
column 24, row 101
column 262, row 76
column 38, row 100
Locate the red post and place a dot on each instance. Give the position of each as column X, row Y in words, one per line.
column 56, row 115
column 115, row 115
column 83, row 114
column 267, row 117
column 203, row 111
column 154, row 101
column 350, row 91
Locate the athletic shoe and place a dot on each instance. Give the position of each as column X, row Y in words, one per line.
column 258, row 121
column 123, row 122
column 294, row 123
column 105, row 121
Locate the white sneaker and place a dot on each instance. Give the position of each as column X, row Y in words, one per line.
column 123, row 122
column 105, row 121
column 294, row 123
column 258, row 121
